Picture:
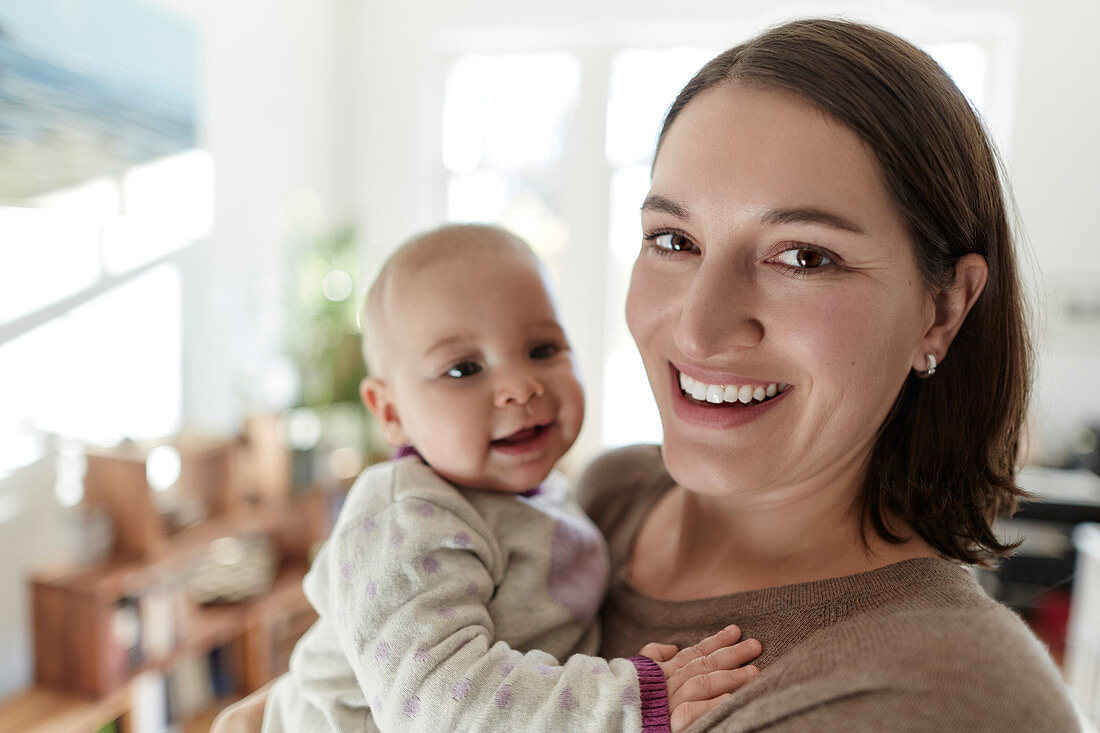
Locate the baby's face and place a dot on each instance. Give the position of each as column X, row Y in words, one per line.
column 483, row 380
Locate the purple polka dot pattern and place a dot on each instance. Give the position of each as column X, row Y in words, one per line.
column 345, row 570
column 567, row 700
column 412, row 706
column 472, row 588
column 421, row 654
column 542, row 669
column 460, row 690
column 503, row 696
column 446, row 613
column 382, row 651
column 462, row 539
column 397, row 539
column 430, row 565
column 372, row 589
column 425, row 509
column 600, row 669
column 369, row 525
column 578, row 571
column 629, row 697
column 506, row 668
column 376, row 702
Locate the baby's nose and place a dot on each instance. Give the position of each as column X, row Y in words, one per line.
column 518, row 388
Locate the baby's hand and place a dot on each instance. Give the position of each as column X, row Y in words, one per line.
column 703, row 675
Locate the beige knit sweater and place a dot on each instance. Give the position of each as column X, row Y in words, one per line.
column 913, row 646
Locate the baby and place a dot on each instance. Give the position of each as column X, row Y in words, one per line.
column 460, row 573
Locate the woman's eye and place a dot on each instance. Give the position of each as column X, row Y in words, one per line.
column 803, row 258
column 671, row 242
column 544, row 351
column 464, row 369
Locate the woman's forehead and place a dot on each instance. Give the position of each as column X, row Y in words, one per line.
column 765, row 150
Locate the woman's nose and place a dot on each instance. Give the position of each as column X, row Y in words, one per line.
column 718, row 314
column 517, row 386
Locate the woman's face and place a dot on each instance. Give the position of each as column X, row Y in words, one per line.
column 772, row 255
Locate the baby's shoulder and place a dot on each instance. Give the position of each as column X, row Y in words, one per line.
column 404, row 482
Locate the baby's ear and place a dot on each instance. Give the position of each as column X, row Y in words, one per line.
column 379, row 400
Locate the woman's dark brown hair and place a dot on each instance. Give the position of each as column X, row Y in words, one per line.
column 945, row 458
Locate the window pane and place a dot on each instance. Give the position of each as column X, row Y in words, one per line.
column 629, row 412
column 46, row 257
column 108, row 369
column 643, row 83
column 628, row 188
column 508, row 111
column 167, row 203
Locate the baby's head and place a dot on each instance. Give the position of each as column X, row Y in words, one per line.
column 468, row 361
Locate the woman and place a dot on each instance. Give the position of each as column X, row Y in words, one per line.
column 828, row 309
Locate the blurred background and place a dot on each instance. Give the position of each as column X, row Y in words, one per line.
column 194, row 195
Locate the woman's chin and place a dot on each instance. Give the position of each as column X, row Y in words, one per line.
column 697, row 469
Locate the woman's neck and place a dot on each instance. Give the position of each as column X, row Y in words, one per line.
column 697, row 546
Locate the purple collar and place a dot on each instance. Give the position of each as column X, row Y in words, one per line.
column 407, row 450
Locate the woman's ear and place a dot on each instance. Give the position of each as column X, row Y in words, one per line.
column 952, row 304
column 379, row 400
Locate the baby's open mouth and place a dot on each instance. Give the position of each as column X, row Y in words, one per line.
column 521, row 438
column 717, row 394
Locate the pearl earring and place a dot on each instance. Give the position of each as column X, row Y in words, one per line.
column 931, row 367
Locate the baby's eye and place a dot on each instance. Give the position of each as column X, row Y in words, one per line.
column 671, row 242
column 544, row 351
column 804, row 258
column 463, row 369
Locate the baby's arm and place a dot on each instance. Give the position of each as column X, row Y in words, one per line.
column 408, row 590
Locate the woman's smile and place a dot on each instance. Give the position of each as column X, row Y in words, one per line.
column 723, row 403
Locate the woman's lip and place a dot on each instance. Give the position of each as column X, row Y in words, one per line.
column 723, row 416
column 710, row 376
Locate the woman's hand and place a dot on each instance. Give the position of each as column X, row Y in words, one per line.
column 700, row 677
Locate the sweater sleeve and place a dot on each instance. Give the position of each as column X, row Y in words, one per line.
column 408, row 590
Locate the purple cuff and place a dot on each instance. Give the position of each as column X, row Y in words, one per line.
column 654, row 693
column 403, row 451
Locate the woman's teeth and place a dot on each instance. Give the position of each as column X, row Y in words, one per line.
column 719, row 393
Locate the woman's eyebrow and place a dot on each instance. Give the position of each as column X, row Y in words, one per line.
column 810, row 216
column 803, row 215
column 654, row 202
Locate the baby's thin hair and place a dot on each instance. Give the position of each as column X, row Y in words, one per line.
column 431, row 247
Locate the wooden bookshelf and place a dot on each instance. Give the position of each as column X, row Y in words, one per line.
column 46, row 710
column 85, row 673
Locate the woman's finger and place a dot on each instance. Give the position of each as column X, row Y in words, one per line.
column 689, row 712
column 713, row 684
column 659, row 652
